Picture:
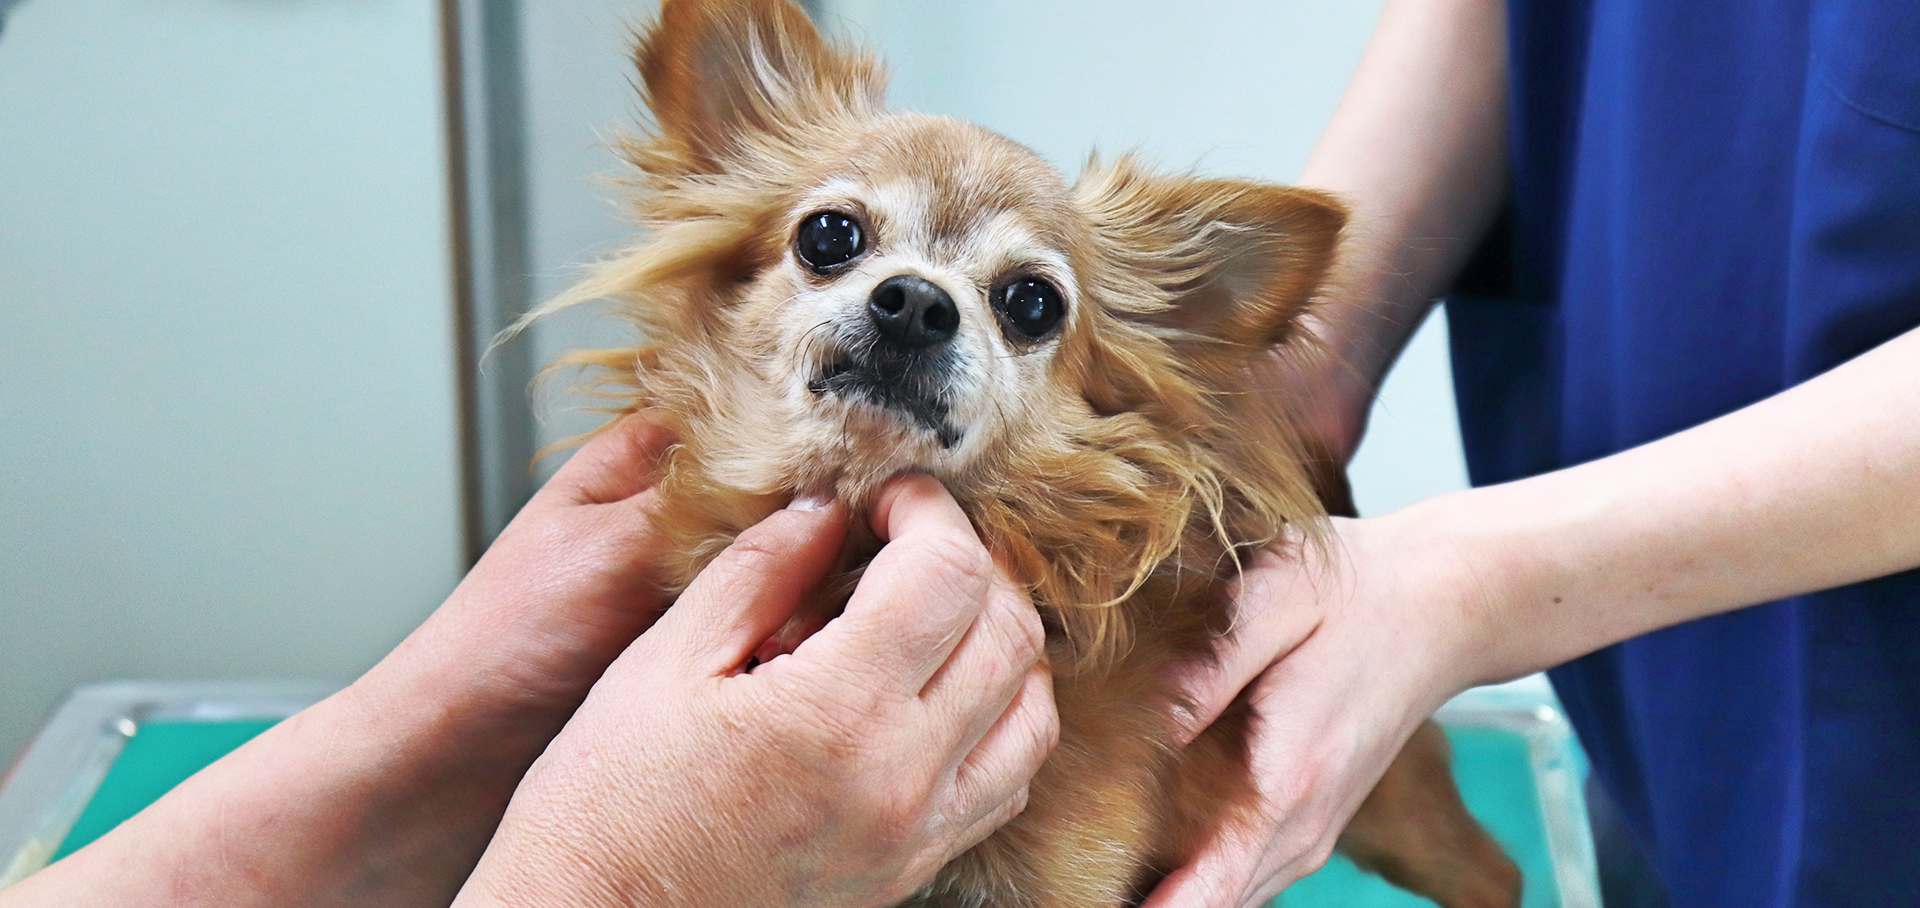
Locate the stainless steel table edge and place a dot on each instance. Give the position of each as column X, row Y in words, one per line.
column 48, row 786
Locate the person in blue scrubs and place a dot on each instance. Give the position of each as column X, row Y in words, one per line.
column 1682, row 247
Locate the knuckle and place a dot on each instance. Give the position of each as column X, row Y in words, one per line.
column 1315, row 856
column 1017, row 653
column 857, row 716
column 893, row 793
column 1295, row 786
column 752, row 551
column 897, row 812
column 1030, row 635
column 1014, row 806
column 1049, row 728
column 1040, row 718
column 1321, row 854
column 836, row 723
column 1288, row 788
column 953, row 560
column 1302, row 850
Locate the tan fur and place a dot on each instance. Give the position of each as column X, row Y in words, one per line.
column 1119, row 469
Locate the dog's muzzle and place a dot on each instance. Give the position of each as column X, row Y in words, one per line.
column 899, row 360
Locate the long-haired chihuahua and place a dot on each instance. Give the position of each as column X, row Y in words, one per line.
column 829, row 293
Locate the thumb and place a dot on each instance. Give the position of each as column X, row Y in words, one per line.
column 617, row 464
column 1274, row 612
column 753, row 587
column 1220, row 876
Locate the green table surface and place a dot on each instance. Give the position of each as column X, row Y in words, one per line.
column 160, row 755
column 1491, row 767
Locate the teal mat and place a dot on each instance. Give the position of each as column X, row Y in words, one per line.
column 1491, row 767
column 160, row 755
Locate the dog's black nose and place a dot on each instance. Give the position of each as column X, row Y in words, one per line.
column 913, row 311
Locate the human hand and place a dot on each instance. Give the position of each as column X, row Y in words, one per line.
column 843, row 773
column 457, row 713
column 569, row 583
column 387, row 792
column 1348, row 646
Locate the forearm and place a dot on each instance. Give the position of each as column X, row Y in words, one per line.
column 1813, row 488
column 384, row 794
column 341, row 805
column 1417, row 149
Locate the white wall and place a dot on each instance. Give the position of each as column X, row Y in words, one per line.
column 227, row 416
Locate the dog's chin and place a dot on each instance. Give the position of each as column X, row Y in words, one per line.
column 877, row 437
column 880, row 409
column 852, row 445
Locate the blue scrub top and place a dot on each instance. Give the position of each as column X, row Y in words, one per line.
column 1713, row 201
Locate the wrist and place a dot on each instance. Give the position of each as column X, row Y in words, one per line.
column 361, row 801
column 1468, row 567
column 571, row 839
column 481, row 688
column 1527, row 572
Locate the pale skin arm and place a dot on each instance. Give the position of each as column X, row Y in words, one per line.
column 1815, row 487
column 387, row 792
column 1417, row 150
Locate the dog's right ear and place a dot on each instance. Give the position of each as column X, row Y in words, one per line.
column 719, row 74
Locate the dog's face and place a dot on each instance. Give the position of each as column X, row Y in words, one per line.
column 927, row 284
column 832, row 293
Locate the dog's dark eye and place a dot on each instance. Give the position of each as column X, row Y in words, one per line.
column 828, row 239
column 1032, row 306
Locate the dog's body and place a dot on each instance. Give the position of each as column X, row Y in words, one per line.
column 831, row 294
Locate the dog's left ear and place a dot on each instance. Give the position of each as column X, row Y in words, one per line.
column 1238, row 259
column 720, row 73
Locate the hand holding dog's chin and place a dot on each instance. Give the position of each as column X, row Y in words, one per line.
column 1345, row 648
column 843, row 773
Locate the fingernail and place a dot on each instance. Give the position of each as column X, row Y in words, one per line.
column 811, row 501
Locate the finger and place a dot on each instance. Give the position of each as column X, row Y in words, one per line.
column 995, row 657
column 753, row 587
column 1218, row 877
column 813, row 614
column 1002, row 814
column 1002, row 763
column 617, row 464
column 1274, row 613
column 1190, row 887
column 917, row 597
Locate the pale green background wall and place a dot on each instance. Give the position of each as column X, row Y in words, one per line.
column 1236, row 87
column 227, row 417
